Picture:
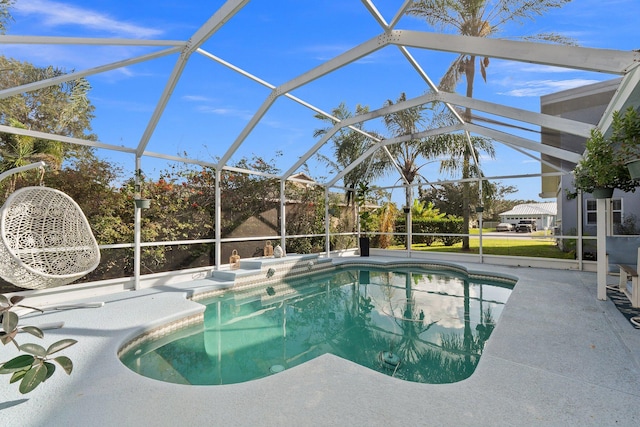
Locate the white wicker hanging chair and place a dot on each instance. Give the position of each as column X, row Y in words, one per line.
column 46, row 240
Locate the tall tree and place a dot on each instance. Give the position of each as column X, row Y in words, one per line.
column 478, row 18
column 408, row 154
column 458, row 151
column 63, row 109
column 348, row 145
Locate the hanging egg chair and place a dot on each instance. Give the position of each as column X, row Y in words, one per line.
column 46, row 240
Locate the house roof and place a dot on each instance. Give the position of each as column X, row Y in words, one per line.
column 547, row 208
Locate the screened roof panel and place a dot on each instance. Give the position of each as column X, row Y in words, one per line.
column 244, row 81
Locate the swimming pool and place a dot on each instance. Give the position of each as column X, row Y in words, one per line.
column 414, row 324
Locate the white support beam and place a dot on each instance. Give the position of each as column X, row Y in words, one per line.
column 137, row 231
column 317, row 110
column 545, row 120
column 579, row 58
column 162, row 104
column 400, row 13
column 79, row 74
column 263, row 83
column 67, row 139
column 390, row 141
column 538, row 159
column 524, row 143
column 420, row 100
column 46, row 40
column 416, row 66
column 339, row 61
column 373, row 10
column 250, row 172
column 247, row 129
column 235, row 68
column 601, row 243
column 627, row 90
column 327, row 224
column 224, row 14
column 218, row 219
column 327, row 136
column 327, row 67
column 283, row 217
column 214, row 23
column 179, row 159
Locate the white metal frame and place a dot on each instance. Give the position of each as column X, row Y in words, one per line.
column 615, row 62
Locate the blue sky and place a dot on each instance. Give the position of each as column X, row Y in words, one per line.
column 276, row 41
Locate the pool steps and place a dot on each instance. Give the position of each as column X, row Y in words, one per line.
column 260, row 272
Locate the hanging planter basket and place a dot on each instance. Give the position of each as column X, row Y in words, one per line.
column 602, row 193
column 634, row 168
column 143, row 203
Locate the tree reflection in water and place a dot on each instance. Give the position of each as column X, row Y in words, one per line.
column 442, row 358
column 419, row 322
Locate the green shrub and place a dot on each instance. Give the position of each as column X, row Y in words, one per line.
column 449, row 225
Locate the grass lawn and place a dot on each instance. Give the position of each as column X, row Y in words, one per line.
column 537, row 246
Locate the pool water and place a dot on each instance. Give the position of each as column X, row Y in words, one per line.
column 412, row 324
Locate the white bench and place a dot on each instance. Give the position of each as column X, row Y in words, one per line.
column 628, row 283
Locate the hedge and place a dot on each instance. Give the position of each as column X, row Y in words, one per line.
column 438, row 226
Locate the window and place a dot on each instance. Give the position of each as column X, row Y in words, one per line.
column 616, row 210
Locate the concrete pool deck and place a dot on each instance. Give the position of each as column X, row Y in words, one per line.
column 558, row 356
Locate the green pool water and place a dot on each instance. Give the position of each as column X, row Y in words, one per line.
column 412, row 324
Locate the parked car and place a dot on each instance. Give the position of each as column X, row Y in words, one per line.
column 504, row 226
column 526, row 226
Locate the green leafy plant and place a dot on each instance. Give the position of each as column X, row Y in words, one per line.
column 35, row 366
column 140, row 180
column 366, row 217
column 626, row 134
column 601, row 167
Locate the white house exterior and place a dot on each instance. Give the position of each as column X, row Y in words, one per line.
column 545, row 214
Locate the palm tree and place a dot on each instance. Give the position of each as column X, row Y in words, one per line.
column 480, row 18
column 460, row 150
column 348, row 145
column 387, row 216
column 408, row 153
column 477, row 18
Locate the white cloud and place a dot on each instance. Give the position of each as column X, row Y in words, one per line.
column 502, row 67
column 538, row 88
column 57, row 14
column 196, row 98
column 228, row 112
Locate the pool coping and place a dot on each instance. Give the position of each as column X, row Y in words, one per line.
column 531, row 373
column 249, row 281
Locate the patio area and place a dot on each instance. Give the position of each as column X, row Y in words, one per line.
column 558, row 356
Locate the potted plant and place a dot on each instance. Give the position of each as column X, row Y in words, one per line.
column 139, row 201
column 626, row 135
column 365, row 218
column 600, row 171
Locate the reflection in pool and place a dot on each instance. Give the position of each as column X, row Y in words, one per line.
column 413, row 324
